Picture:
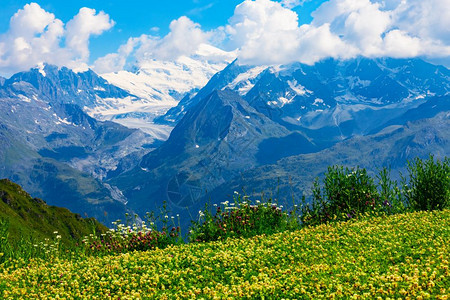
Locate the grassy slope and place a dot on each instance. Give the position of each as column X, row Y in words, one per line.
column 32, row 217
column 402, row 256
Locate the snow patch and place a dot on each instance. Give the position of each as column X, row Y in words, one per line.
column 116, row 194
column 317, row 101
column 41, row 67
column 356, row 82
column 24, row 98
column 113, row 108
column 157, row 131
column 244, row 82
column 99, row 88
column 63, row 121
column 298, row 88
column 283, row 101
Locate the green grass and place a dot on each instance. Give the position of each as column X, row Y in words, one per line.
column 358, row 239
column 400, row 256
column 32, row 218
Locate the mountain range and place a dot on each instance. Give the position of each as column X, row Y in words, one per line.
column 272, row 130
column 57, row 151
column 250, row 129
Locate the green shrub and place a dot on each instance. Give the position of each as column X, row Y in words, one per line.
column 391, row 196
column 242, row 219
column 346, row 193
column 429, row 184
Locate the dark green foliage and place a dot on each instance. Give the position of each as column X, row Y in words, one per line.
column 391, row 196
column 27, row 221
column 242, row 219
column 429, row 184
column 346, row 194
column 349, row 193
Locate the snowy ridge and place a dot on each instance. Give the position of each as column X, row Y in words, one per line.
column 158, row 86
column 170, row 81
column 244, row 82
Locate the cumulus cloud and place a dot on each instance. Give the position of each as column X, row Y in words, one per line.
column 390, row 28
column 114, row 62
column 267, row 32
column 36, row 36
column 79, row 30
column 317, row 43
column 184, row 39
column 261, row 31
column 429, row 19
column 264, row 31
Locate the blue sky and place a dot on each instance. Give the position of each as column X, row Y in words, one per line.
column 260, row 31
column 136, row 17
column 133, row 17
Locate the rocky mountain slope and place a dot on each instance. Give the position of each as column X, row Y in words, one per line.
column 294, row 121
column 53, row 148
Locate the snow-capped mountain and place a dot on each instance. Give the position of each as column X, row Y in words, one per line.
column 235, row 77
column 265, row 122
column 160, row 85
column 251, row 118
column 330, row 97
column 51, row 146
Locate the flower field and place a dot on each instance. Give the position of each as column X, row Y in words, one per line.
column 400, row 256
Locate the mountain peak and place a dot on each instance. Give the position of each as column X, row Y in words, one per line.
column 57, row 84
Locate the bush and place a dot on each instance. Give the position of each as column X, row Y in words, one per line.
column 242, row 219
column 429, row 184
column 346, row 194
column 391, row 196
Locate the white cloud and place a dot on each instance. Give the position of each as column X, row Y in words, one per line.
column 36, row 36
column 317, row 43
column 184, row 39
column 30, row 20
column 427, row 19
column 114, row 62
column 264, row 31
column 399, row 44
column 267, row 32
column 79, row 30
column 390, row 28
